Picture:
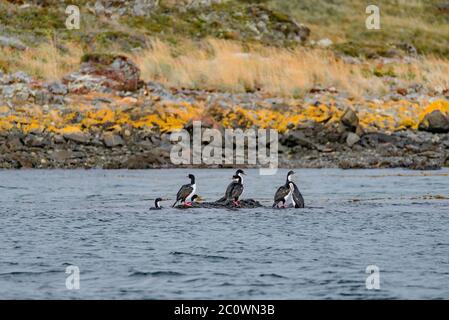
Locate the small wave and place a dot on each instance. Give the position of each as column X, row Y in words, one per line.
column 272, row 275
column 205, row 256
column 161, row 273
column 12, row 188
column 28, row 273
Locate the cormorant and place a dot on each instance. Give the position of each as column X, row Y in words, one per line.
column 235, row 180
column 285, row 191
column 157, row 205
column 186, row 192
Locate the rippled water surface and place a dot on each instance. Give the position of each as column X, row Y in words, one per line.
column 99, row 221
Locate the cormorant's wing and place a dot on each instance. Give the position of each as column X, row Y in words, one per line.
column 184, row 192
column 228, row 192
column 281, row 193
column 236, row 191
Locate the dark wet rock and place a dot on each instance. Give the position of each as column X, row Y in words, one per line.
column 435, row 122
column 297, row 138
column 244, row 204
column 144, row 161
column 23, row 161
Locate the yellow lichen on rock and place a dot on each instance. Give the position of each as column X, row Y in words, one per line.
column 441, row 105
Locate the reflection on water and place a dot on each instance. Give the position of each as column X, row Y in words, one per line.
column 100, row 222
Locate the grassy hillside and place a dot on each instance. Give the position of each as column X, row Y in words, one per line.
column 422, row 23
column 218, row 47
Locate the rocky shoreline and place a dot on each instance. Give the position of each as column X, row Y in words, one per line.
column 104, row 116
column 298, row 149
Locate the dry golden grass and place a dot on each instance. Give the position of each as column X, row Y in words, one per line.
column 46, row 62
column 226, row 65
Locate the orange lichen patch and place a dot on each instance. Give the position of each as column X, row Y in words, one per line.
column 389, row 116
column 34, row 126
column 267, row 118
column 70, row 129
column 167, row 116
column 170, row 116
column 98, row 117
column 5, row 125
column 407, row 123
column 441, row 105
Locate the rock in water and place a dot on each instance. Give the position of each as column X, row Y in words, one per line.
column 435, row 122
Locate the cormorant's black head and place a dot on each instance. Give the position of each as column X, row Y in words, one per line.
column 191, row 177
column 240, row 172
column 289, row 175
column 156, row 202
column 194, row 197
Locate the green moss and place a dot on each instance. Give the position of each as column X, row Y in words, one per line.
column 98, row 57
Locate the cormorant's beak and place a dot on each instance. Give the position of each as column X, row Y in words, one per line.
column 199, row 198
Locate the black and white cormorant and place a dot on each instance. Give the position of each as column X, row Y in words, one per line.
column 285, row 191
column 298, row 200
column 237, row 181
column 194, row 198
column 157, row 205
column 186, row 192
column 236, row 190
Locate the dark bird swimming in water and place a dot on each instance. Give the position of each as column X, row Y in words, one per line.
column 194, row 198
column 186, row 192
column 157, row 205
column 285, row 191
column 235, row 181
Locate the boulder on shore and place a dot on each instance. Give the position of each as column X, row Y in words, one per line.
column 350, row 119
column 435, row 122
column 110, row 71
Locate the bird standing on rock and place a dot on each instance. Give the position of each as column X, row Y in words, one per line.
column 186, row 192
column 236, row 190
column 237, row 179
